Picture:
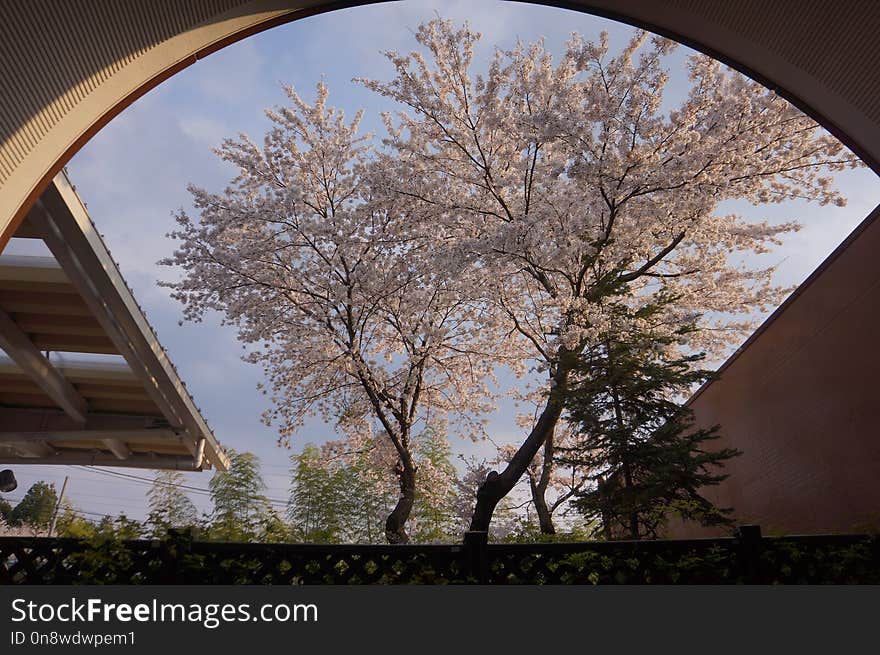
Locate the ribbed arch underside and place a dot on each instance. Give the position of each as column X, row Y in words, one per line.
column 69, row 66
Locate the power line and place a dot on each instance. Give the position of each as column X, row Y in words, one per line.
column 202, row 490
column 76, row 510
column 136, row 479
column 144, row 481
column 131, row 504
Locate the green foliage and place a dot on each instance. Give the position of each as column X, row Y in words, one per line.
column 169, row 506
column 105, row 558
column 346, row 497
column 323, row 505
column 780, row 561
column 273, row 528
column 119, row 528
column 434, row 515
column 725, row 561
column 241, row 511
column 529, row 532
column 648, row 459
column 5, row 510
column 103, row 561
column 71, row 524
column 630, row 566
column 36, row 507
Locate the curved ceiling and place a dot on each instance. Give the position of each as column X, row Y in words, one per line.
column 69, row 66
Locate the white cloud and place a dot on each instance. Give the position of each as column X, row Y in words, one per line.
column 203, row 129
column 230, row 75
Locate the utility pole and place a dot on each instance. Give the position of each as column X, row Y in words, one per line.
column 57, row 507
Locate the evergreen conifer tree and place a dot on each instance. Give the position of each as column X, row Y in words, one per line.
column 647, row 458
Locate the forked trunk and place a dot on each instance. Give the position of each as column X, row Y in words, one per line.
column 498, row 485
column 539, row 489
column 545, row 517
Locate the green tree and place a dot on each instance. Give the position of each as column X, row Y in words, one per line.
column 72, row 524
column 36, row 507
column 342, row 492
column 273, row 528
column 316, row 510
column 337, row 495
column 119, row 528
column 372, row 495
column 241, row 511
column 434, row 513
column 5, row 510
column 169, row 505
column 645, row 454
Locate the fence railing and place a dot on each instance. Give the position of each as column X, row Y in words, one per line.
column 748, row 557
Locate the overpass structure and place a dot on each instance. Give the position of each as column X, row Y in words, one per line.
column 84, row 380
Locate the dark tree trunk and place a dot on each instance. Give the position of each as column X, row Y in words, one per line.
column 607, row 518
column 395, row 524
column 628, row 481
column 545, row 517
column 539, row 489
column 498, row 485
column 633, row 518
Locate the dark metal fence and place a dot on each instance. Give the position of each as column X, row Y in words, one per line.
column 745, row 558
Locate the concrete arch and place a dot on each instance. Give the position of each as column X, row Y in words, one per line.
column 69, row 66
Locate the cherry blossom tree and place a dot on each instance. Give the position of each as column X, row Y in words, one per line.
column 574, row 188
column 339, row 285
column 504, row 215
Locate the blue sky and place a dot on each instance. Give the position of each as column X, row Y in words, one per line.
column 133, row 175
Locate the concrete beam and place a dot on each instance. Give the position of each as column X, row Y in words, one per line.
column 37, row 449
column 68, row 232
column 172, row 462
column 21, row 350
column 117, row 447
column 86, row 435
